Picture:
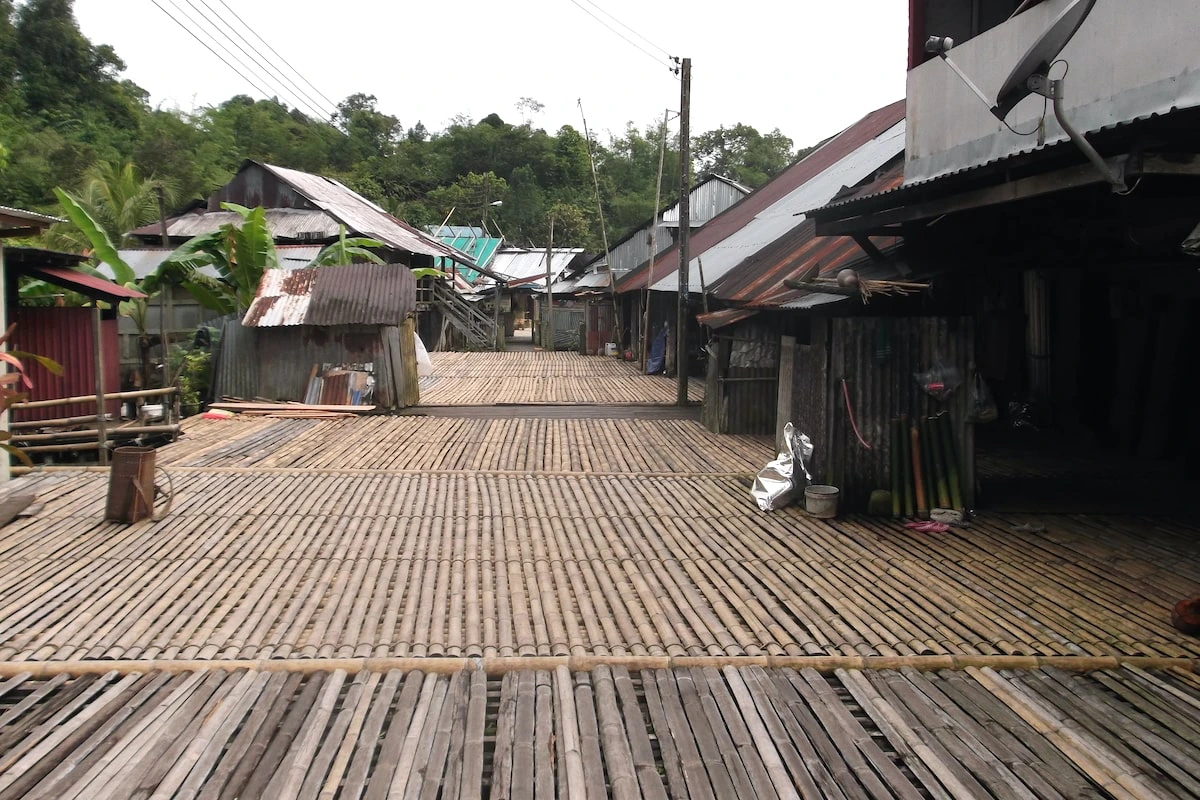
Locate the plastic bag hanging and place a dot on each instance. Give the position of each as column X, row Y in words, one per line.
column 939, row 381
column 776, row 484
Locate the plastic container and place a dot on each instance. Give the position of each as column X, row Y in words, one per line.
column 821, row 501
column 610, row 349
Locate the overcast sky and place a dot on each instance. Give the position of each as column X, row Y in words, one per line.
column 808, row 68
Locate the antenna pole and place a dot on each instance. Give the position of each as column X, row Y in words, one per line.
column 685, row 222
column 970, row 83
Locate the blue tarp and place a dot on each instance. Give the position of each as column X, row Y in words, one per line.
column 658, row 353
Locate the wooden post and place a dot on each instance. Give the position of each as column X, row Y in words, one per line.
column 164, row 299
column 685, row 188
column 787, row 371
column 408, row 358
column 101, row 419
column 548, row 323
column 499, row 337
column 662, row 151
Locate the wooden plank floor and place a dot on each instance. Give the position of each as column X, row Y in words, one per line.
column 532, row 377
column 682, row 733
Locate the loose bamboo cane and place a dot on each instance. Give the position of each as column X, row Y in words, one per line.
column 894, row 458
column 939, row 463
column 917, row 469
column 906, row 465
column 948, row 445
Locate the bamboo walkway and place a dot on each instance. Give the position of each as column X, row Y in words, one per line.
column 681, row 733
column 541, row 377
column 425, row 607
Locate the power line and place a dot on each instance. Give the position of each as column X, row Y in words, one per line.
column 223, row 60
column 250, row 50
column 587, row 11
column 247, row 60
column 231, row 59
column 277, row 55
column 626, row 27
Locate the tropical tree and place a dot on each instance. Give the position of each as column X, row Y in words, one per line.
column 116, row 199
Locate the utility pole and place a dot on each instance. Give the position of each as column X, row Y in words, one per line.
column 685, row 222
column 548, row 323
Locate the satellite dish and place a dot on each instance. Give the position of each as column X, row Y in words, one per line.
column 1040, row 55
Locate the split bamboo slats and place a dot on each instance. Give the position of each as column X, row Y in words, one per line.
column 303, row 563
column 544, row 377
column 523, row 445
column 672, row 733
column 475, row 606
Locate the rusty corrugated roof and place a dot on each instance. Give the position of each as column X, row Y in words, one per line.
column 364, row 217
column 758, row 281
column 356, row 294
column 745, row 212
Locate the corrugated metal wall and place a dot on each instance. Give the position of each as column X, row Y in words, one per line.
column 67, row 336
column 276, row 363
column 743, row 381
column 878, row 357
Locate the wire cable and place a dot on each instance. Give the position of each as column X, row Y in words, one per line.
column 251, row 51
column 286, row 63
column 626, row 27
column 632, row 43
column 207, row 47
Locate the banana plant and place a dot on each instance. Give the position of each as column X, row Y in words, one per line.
column 345, row 250
column 103, row 252
column 238, row 253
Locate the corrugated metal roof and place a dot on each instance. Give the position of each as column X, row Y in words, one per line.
column 770, row 212
column 362, row 216
column 355, row 294
column 758, row 281
column 85, row 284
column 283, row 223
column 144, row 261
column 897, row 194
column 20, row 218
column 523, row 267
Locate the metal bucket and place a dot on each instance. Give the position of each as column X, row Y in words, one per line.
column 131, row 485
column 821, row 501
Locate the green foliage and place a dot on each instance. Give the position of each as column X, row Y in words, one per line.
column 193, row 370
column 69, row 120
column 239, row 252
column 742, row 154
column 346, row 250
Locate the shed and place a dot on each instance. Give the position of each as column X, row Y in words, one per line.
column 329, row 335
column 68, row 335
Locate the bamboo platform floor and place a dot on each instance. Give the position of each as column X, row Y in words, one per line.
column 542, row 377
column 270, row 562
column 482, row 538
column 681, row 733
